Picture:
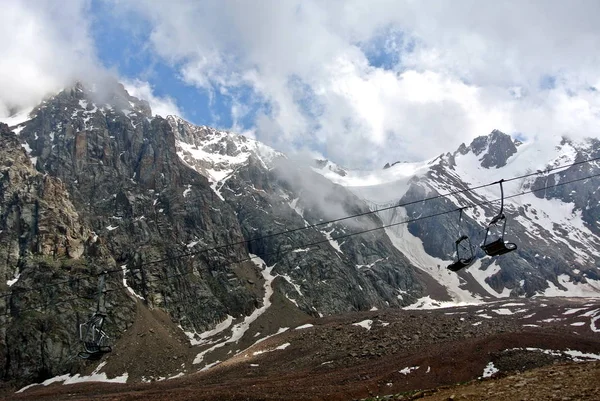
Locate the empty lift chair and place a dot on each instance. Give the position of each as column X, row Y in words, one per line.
column 464, row 250
column 498, row 246
column 93, row 339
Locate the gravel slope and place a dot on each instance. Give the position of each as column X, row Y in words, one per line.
column 378, row 353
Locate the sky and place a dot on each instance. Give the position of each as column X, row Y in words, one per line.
column 359, row 82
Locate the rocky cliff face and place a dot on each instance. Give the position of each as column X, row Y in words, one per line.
column 270, row 194
column 93, row 182
column 44, row 241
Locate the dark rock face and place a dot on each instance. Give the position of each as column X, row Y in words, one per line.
column 44, row 241
column 498, row 147
column 124, row 176
column 116, row 189
column 270, row 194
column 120, row 172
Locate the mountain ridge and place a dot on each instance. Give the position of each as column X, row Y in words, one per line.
column 153, row 194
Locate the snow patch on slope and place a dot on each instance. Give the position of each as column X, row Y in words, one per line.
column 202, row 338
column 238, row 330
column 481, row 275
column 131, row 291
column 590, row 289
column 413, row 249
column 430, row 303
column 68, row 379
column 366, row 324
column 18, row 118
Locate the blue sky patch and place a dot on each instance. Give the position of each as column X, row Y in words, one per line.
column 121, row 44
column 385, row 49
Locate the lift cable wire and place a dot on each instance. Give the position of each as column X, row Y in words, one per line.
column 323, row 223
column 327, row 222
column 369, row 212
column 340, row 237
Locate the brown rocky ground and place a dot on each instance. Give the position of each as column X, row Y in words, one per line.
column 402, row 352
column 565, row 382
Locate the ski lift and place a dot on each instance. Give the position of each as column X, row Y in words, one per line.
column 499, row 246
column 93, row 339
column 465, row 256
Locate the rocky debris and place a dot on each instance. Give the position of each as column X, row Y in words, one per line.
column 565, row 382
column 153, row 348
column 391, row 354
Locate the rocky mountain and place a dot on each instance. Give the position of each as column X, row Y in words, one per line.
column 102, row 185
column 231, row 239
column 555, row 227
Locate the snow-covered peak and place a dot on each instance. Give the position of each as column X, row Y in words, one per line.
column 492, row 150
column 217, row 154
column 111, row 95
column 221, row 147
column 562, row 219
column 326, row 168
column 377, row 186
column 17, row 118
column 534, row 155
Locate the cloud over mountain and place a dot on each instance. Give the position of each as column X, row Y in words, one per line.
column 353, row 81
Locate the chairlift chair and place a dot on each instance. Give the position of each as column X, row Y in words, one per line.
column 499, row 246
column 462, row 260
column 464, row 250
column 93, row 338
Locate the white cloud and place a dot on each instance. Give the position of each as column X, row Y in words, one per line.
column 460, row 69
column 45, row 45
column 160, row 105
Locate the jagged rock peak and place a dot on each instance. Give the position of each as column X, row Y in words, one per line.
column 216, row 154
column 188, row 132
column 495, row 149
column 388, row 165
column 107, row 94
column 322, row 164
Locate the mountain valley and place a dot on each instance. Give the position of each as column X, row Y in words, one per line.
column 208, row 252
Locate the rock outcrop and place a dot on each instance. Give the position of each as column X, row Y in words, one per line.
column 49, row 265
